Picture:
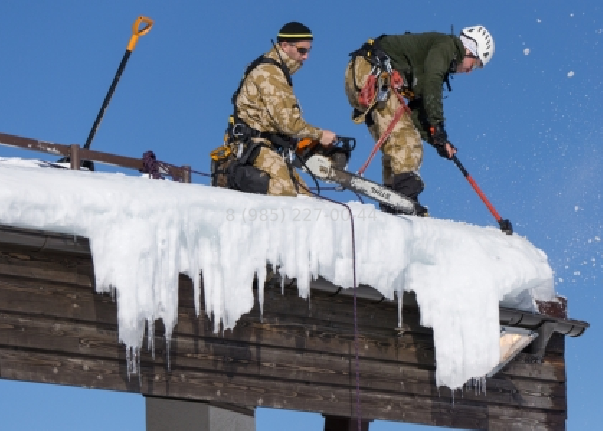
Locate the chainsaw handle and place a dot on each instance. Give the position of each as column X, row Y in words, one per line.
column 305, row 145
column 347, row 141
column 137, row 31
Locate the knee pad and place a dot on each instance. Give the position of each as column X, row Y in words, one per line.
column 248, row 179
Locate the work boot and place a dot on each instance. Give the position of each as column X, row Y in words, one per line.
column 390, row 210
column 410, row 185
column 420, row 210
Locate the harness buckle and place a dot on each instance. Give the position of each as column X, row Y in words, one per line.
column 235, row 132
column 220, row 153
column 288, row 155
column 387, row 64
column 383, row 87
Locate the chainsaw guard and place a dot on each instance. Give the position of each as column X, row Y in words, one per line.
column 319, row 166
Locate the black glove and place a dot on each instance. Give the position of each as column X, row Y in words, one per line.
column 439, row 139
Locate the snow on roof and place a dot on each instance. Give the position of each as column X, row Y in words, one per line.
column 143, row 233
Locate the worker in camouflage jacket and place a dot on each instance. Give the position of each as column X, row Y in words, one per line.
column 266, row 105
column 421, row 63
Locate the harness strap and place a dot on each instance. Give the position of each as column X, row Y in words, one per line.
column 255, row 63
column 382, row 77
column 371, row 52
column 366, row 98
column 398, row 114
column 238, row 129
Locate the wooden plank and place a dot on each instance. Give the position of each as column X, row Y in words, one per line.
column 32, row 298
column 552, row 368
column 371, row 315
column 49, row 312
column 219, row 387
column 61, row 300
column 71, row 270
column 58, row 300
column 12, row 239
column 240, row 358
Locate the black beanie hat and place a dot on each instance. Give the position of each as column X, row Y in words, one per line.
column 294, row 32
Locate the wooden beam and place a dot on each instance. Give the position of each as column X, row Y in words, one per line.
column 55, row 329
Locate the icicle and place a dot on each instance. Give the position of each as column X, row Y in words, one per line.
column 151, row 337
column 132, row 361
column 400, row 300
column 167, row 355
column 478, row 384
column 128, row 361
column 197, row 293
column 136, row 360
column 261, row 279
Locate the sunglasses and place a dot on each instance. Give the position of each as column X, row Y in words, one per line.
column 302, row 50
column 476, row 64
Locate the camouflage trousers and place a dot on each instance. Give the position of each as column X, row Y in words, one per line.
column 403, row 149
column 281, row 183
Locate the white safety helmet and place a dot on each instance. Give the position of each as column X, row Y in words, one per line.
column 483, row 39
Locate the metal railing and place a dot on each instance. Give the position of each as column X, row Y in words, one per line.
column 76, row 154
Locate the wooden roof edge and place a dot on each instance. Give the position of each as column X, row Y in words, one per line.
column 44, row 240
column 508, row 316
column 552, row 312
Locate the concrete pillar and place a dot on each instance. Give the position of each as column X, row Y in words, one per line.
column 163, row 414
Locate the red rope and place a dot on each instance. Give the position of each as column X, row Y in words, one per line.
column 403, row 108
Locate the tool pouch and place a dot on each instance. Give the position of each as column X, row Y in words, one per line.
column 236, row 171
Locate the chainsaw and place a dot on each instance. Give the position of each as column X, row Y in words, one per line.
column 329, row 164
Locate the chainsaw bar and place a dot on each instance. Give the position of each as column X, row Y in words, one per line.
column 322, row 168
column 375, row 191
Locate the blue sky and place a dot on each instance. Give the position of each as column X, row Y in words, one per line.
column 528, row 128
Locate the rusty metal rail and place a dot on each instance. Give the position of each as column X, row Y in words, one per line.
column 76, row 154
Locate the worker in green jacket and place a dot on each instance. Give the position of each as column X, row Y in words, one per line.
column 413, row 66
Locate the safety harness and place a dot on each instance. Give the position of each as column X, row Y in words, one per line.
column 237, row 129
column 232, row 163
column 375, row 92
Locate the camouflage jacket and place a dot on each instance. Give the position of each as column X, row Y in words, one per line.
column 267, row 103
column 424, row 59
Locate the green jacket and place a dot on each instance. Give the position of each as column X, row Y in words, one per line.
column 424, row 60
